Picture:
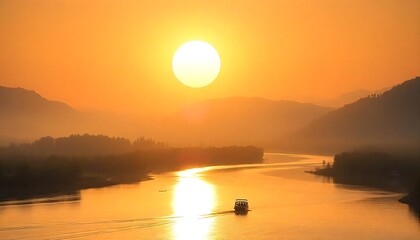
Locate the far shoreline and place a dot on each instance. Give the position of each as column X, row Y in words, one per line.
column 27, row 177
column 98, row 182
column 400, row 175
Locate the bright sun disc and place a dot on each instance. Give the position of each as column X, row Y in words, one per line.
column 196, row 64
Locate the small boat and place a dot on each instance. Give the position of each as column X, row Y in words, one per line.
column 241, row 205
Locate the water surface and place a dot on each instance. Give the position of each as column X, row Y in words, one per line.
column 197, row 203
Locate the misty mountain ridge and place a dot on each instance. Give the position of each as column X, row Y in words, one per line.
column 20, row 101
column 239, row 120
column 383, row 120
column 26, row 116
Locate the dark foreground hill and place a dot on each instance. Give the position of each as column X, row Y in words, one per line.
column 383, row 120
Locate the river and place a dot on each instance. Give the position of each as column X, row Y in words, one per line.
column 285, row 203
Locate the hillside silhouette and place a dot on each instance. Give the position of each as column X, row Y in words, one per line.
column 25, row 116
column 346, row 98
column 383, row 120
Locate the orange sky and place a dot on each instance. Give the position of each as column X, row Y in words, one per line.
column 115, row 55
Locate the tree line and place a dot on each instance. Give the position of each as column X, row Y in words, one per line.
column 46, row 166
column 81, row 145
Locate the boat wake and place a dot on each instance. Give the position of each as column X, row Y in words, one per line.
column 66, row 230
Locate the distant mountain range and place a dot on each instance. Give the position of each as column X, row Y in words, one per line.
column 25, row 116
column 240, row 121
column 388, row 119
column 391, row 119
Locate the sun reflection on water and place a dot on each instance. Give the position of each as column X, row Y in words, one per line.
column 193, row 202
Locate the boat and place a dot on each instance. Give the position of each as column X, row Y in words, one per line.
column 241, row 205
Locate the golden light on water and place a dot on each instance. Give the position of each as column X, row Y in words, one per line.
column 193, row 202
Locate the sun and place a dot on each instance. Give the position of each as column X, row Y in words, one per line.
column 196, row 64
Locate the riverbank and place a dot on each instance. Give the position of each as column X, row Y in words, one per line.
column 391, row 172
column 86, row 182
column 24, row 177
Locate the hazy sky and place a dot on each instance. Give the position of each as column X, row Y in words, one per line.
column 115, row 55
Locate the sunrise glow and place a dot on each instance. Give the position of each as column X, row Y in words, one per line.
column 196, row 64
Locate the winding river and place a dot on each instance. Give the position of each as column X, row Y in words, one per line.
column 197, row 203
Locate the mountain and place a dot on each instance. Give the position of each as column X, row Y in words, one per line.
column 346, row 98
column 26, row 116
column 350, row 97
column 239, row 120
column 17, row 101
column 390, row 119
